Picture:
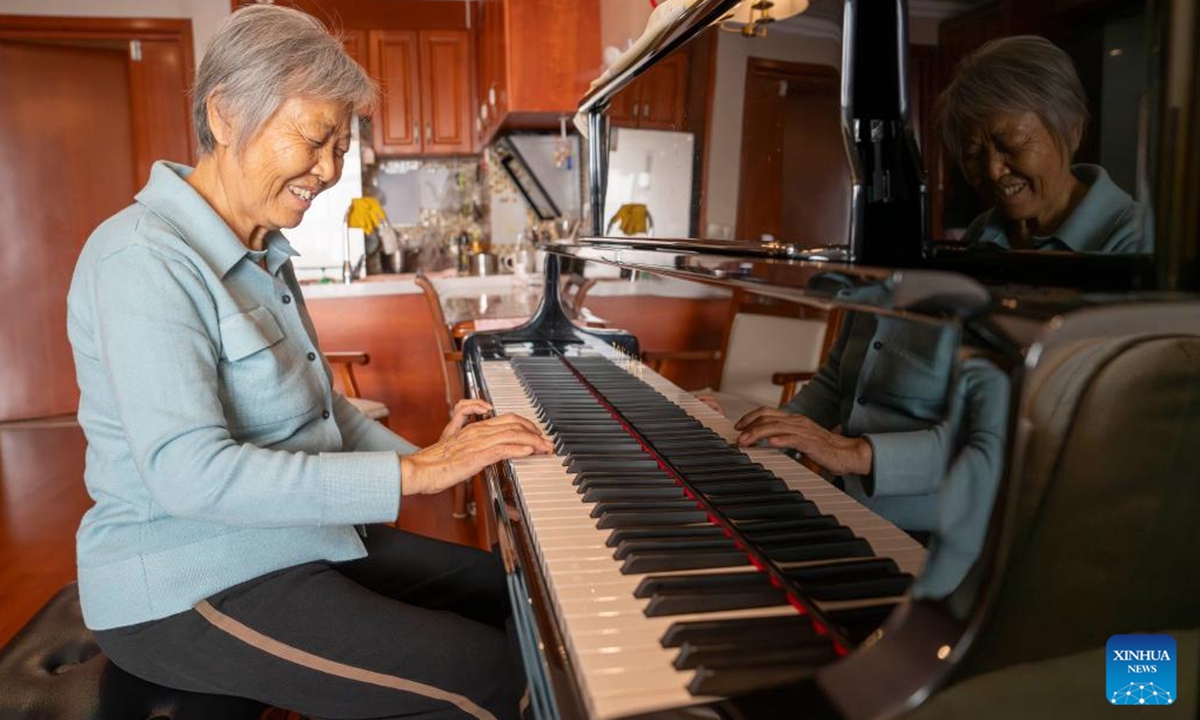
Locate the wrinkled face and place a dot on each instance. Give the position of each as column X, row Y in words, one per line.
column 1014, row 161
column 295, row 155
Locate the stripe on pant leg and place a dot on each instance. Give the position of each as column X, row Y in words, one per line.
column 284, row 651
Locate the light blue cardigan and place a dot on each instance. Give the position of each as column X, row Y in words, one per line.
column 217, row 448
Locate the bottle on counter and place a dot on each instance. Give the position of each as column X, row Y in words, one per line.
column 462, row 246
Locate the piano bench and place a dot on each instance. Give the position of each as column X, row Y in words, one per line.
column 53, row 670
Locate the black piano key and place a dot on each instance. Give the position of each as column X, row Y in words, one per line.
column 606, row 446
column 704, row 529
column 717, row 488
column 679, row 445
column 843, row 572
column 824, row 551
column 768, row 511
column 618, row 493
column 630, row 547
column 681, row 602
column 601, row 509
column 753, row 528
column 587, row 481
column 638, row 518
column 614, row 465
column 788, row 497
column 794, row 628
column 720, row 659
column 742, row 472
column 887, row 586
column 695, row 652
column 800, row 539
column 657, row 562
column 700, row 582
column 597, row 478
column 735, row 681
column 722, row 462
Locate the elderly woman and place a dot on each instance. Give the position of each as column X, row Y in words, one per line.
column 1012, row 118
column 236, row 543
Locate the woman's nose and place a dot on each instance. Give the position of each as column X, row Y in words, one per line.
column 326, row 168
column 997, row 164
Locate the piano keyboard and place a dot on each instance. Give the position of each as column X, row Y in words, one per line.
column 640, row 631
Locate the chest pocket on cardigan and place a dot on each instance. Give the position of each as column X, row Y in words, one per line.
column 911, row 372
column 267, row 384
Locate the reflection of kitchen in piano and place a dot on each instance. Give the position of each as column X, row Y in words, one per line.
column 657, row 567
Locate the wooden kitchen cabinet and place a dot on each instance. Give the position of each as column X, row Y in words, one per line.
column 446, row 91
column 425, row 80
column 536, row 61
column 656, row 100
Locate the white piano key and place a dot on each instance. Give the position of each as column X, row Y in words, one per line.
column 622, row 665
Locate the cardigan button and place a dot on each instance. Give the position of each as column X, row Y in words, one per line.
column 287, row 299
column 312, row 356
column 325, row 415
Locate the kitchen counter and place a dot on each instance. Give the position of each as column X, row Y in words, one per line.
column 449, row 285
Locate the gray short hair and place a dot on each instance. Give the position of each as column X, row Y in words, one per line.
column 1024, row 73
column 260, row 56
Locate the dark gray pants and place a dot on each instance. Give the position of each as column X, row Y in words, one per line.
column 415, row 630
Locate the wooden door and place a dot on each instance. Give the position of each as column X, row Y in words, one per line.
column 68, row 160
column 394, row 64
column 795, row 180
column 161, row 111
column 446, row 91
column 355, row 42
column 664, row 95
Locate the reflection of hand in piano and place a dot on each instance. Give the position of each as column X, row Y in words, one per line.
column 465, row 451
column 836, row 453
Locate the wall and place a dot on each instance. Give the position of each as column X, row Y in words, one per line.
column 204, row 14
column 725, row 150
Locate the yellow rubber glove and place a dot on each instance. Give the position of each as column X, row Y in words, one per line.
column 366, row 213
column 633, row 219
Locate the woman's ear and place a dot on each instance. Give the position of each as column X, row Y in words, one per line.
column 218, row 120
column 1076, row 138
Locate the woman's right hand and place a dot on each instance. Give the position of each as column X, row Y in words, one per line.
column 454, row 459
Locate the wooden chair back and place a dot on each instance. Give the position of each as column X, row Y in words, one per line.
column 343, row 365
column 451, row 355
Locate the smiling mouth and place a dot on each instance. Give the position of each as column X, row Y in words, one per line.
column 1004, row 192
column 302, row 193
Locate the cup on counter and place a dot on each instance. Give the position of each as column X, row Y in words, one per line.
column 519, row 261
column 484, row 263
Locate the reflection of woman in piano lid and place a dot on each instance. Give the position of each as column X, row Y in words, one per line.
column 1012, row 118
column 221, row 554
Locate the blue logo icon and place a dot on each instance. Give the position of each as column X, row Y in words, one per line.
column 1141, row 670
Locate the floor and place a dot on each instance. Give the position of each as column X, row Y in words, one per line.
column 42, row 497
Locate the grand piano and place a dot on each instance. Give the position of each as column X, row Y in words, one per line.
column 659, row 570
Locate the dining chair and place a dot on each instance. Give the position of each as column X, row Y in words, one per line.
column 769, row 347
column 343, row 364
column 452, row 379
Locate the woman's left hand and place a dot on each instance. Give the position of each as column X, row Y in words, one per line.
column 462, row 412
column 836, row 453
